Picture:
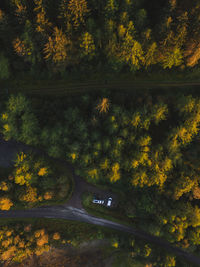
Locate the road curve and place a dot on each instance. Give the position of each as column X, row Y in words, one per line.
column 7, row 151
column 71, row 213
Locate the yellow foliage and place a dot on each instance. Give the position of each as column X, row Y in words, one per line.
column 3, row 186
column 184, row 135
column 140, row 178
column 5, row 203
column 20, row 179
column 115, row 244
column 30, row 196
column 121, row 31
column 87, row 45
column 135, row 163
column 56, row 236
column 42, row 171
column 93, row 173
column 6, row 127
column 40, row 198
column 112, row 118
column 105, row 165
column 136, row 119
column 115, row 167
column 21, row 156
column 144, row 141
column 4, row 116
column 115, row 175
column 73, row 156
column 145, row 149
column 167, row 164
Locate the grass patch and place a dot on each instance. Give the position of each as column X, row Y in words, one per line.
column 122, row 259
column 115, row 214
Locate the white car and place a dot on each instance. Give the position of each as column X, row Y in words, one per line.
column 98, row 201
column 109, row 202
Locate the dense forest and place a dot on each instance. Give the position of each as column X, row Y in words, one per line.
column 47, row 37
column 142, row 145
column 145, row 149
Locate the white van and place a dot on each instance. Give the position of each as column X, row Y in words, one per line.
column 109, row 202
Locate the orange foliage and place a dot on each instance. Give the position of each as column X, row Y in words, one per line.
column 21, row 48
column 56, row 236
column 48, row 195
column 78, row 9
column 27, row 228
column 8, row 253
column 5, row 203
column 42, row 21
column 104, row 105
column 42, row 171
column 39, row 233
column 56, row 48
column 42, row 240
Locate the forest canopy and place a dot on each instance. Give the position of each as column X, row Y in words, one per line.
column 47, row 36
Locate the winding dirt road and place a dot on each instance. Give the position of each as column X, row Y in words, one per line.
column 74, row 211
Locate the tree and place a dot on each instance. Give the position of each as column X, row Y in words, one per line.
column 58, row 47
column 131, row 52
column 87, row 46
column 111, row 8
column 172, row 58
column 183, row 185
column 77, row 10
column 30, row 195
column 21, row 48
column 19, row 121
column 5, row 203
column 41, row 19
column 150, row 57
column 159, row 112
column 103, row 105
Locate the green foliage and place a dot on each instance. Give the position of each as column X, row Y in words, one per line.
column 4, row 67
column 19, row 122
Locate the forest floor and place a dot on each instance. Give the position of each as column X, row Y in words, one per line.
column 89, row 254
